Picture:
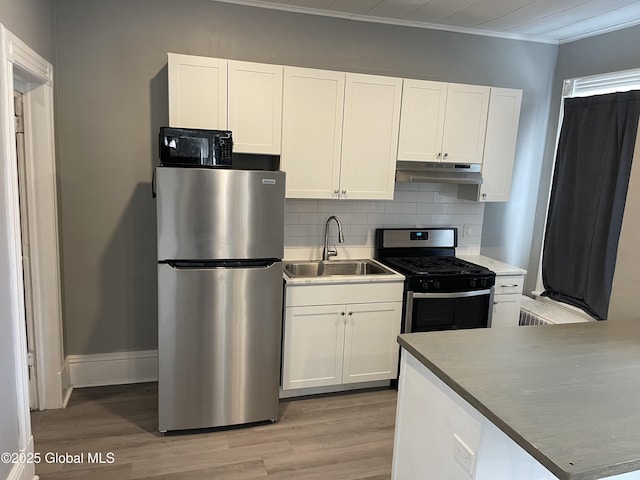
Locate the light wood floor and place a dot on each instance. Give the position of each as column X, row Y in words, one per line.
column 346, row 437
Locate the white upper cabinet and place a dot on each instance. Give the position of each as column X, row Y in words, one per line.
column 255, row 107
column 500, row 144
column 422, row 120
column 219, row 94
column 370, row 136
column 339, row 134
column 443, row 122
column 312, row 132
column 499, row 150
column 197, row 92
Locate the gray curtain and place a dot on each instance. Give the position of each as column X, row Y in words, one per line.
column 589, row 189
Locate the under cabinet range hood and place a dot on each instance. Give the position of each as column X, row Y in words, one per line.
column 434, row 172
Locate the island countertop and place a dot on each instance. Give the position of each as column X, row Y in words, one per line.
column 567, row 394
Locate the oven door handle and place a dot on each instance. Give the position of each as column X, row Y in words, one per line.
column 473, row 293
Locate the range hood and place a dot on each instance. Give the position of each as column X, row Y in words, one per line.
column 434, row 172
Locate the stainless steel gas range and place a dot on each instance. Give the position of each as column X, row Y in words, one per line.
column 442, row 292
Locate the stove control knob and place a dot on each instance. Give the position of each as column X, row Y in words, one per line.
column 473, row 282
column 484, row 282
column 430, row 285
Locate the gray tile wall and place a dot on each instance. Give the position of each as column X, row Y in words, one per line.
column 414, row 205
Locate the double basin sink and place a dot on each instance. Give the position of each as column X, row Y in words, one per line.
column 325, row 268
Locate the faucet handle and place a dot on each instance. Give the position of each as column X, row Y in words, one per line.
column 332, row 252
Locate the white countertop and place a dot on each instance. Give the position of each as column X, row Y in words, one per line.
column 498, row 267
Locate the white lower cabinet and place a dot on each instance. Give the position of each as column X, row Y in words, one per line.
column 313, row 346
column 507, row 299
column 340, row 343
column 370, row 346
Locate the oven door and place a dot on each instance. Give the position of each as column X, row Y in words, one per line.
column 426, row 312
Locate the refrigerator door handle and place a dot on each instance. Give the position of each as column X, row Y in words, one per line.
column 153, row 184
column 205, row 264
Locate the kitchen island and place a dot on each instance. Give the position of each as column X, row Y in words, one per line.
column 525, row 403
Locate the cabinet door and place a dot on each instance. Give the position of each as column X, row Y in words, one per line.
column 506, row 311
column 465, row 123
column 370, row 343
column 422, row 120
column 500, row 144
column 370, row 136
column 313, row 346
column 313, row 103
column 255, row 107
column 197, row 92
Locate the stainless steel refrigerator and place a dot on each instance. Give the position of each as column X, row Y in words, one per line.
column 220, row 249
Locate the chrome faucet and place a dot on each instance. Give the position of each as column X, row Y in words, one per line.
column 331, row 252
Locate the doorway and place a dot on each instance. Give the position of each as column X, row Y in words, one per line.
column 31, row 224
column 18, row 108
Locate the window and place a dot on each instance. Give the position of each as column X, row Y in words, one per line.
column 588, row 194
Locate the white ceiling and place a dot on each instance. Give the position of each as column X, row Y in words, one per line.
column 552, row 21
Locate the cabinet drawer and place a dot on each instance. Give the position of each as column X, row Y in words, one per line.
column 509, row 284
column 324, row 294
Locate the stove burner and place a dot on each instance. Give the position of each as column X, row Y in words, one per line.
column 430, row 265
column 435, row 265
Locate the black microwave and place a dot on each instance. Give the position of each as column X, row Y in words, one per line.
column 191, row 147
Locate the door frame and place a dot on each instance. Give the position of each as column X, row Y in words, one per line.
column 24, row 70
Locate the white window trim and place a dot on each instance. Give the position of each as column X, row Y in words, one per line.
column 621, row 81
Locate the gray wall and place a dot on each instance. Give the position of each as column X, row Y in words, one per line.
column 32, row 22
column 111, row 100
column 610, row 52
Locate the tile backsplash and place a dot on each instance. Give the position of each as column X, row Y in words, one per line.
column 414, row 205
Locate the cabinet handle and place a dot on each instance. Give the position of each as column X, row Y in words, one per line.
column 495, row 303
column 510, row 286
column 350, row 313
column 439, row 155
column 344, row 192
column 484, row 195
column 342, row 313
column 446, row 155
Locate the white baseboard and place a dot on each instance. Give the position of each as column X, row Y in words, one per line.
column 17, row 472
column 24, row 471
column 112, row 368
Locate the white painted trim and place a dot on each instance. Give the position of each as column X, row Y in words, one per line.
column 600, row 31
column 24, row 471
column 26, row 71
column 67, row 388
column 113, row 368
column 67, row 397
column 9, row 178
column 20, row 54
column 392, row 21
column 44, row 252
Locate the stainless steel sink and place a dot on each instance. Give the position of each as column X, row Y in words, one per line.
column 321, row 268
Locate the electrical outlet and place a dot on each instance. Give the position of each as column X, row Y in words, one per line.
column 467, row 230
column 463, row 455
